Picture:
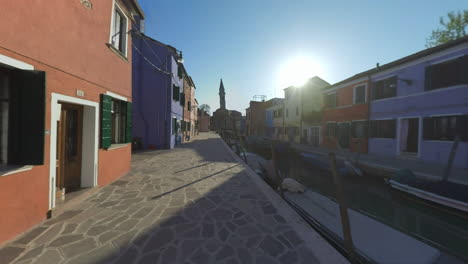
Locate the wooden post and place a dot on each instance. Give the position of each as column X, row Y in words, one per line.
column 348, row 240
column 273, row 161
column 453, row 151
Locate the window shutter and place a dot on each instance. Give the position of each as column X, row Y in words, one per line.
column 353, row 129
column 182, row 99
column 428, row 128
column 373, row 128
column 462, row 127
column 366, row 129
column 175, row 92
column 106, row 121
column 392, row 131
column 464, row 69
column 428, row 78
column 27, row 125
column 128, row 129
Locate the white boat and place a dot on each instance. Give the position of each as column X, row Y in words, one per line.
column 430, row 196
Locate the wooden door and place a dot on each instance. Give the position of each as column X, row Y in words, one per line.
column 69, row 147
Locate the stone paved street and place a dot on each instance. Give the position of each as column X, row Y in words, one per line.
column 194, row 204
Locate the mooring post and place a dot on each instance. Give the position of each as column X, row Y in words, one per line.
column 340, row 197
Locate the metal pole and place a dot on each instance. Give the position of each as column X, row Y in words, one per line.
column 348, row 240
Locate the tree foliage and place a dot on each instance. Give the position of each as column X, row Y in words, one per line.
column 454, row 26
column 205, row 108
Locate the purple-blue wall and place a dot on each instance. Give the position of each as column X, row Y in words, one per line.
column 153, row 106
column 413, row 101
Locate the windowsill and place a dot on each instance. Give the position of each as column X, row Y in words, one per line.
column 13, row 169
column 442, row 141
column 117, row 146
column 116, row 51
column 382, row 138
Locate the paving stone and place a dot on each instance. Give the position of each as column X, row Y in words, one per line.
column 31, row 235
column 9, row 253
column 160, row 239
column 97, row 230
column 208, row 230
column 307, row 256
column 48, row 257
column 265, row 260
column 128, row 257
column 48, row 235
column 212, row 245
column 225, row 252
column 69, row 228
column 65, row 240
column 78, row 248
column 200, row 257
column 100, row 255
column 189, row 246
column 142, row 212
column 223, row 234
column 293, row 238
column 289, row 257
column 244, row 256
column 64, row 216
column 107, row 236
column 169, row 256
column 271, row 246
column 32, row 253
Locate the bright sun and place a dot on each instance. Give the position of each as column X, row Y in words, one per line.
column 296, row 71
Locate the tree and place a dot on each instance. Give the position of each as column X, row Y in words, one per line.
column 454, row 27
column 205, row 108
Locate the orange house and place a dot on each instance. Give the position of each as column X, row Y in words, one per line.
column 65, row 87
column 346, row 114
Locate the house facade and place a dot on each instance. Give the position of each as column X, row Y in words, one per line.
column 66, row 105
column 272, row 125
column 188, row 124
column 419, row 105
column 256, row 117
column 346, row 114
column 311, row 111
column 157, row 93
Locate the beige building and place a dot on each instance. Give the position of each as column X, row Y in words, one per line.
column 302, row 112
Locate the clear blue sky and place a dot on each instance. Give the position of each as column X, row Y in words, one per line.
column 245, row 42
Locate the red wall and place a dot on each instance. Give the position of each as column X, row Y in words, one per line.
column 64, row 35
column 346, row 112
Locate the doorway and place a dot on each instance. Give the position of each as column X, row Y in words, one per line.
column 315, row 136
column 343, row 135
column 409, row 135
column 69, row 148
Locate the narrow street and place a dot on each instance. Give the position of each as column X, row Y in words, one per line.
column 194, row 204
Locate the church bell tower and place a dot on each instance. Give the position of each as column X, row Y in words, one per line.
column 222, row 99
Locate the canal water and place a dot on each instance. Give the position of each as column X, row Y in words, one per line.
column 426, row 223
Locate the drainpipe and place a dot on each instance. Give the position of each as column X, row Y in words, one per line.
column 369, row 96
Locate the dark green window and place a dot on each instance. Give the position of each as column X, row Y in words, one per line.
column 383, row 128
column 445, row 128
column 330, row 100
column 22, row 117
column 175, row 92
column 182, row 99
column 447, row 74
column 384, row 88
column 331, row 129
column 116, row 121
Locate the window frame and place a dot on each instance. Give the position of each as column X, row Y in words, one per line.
column 452, row 131
column 379, row 132
column 380, row 94
column 355, row 92
column 117, row 9
column 461, row 64
column 327, row 101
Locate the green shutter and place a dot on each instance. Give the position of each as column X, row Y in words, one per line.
column 128, row 129
column 106, row 121
column 27, row 118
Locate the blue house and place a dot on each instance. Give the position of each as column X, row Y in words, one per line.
column 419, row 105
column 158, row 97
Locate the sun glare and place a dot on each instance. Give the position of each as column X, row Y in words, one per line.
column 296, row 71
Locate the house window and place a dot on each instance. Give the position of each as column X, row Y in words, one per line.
column 360, row 94
column 22, row 117
column 119, row 121
column 174, row 125
column 359, row 129
column 331, row 129
column 330, row 100
column 119, row 31
column 4, row 116
column 446, row 74
column 189, row 106
column 383, row 128
column 175, row 92
column 446, row 128
column 384, row 88
column 182, row 99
